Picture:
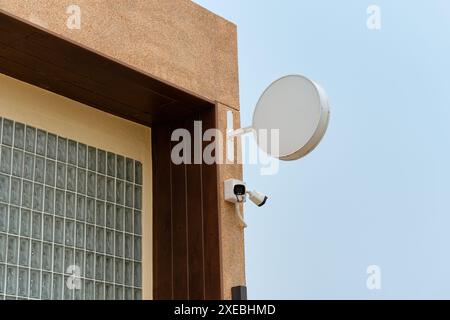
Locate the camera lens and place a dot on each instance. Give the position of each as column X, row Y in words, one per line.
column 239, row 190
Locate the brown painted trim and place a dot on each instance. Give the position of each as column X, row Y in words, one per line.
column 188, row 265
column 162, row 215
column 213, row 248
column 195, row 230
column 180, row 229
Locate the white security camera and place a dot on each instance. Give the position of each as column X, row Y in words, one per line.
column 236, row 192
column 257, row 198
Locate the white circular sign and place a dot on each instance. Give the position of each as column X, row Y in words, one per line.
column 298, row 108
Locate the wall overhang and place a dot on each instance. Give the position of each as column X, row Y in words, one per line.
column 174, row 40
column 47, row 60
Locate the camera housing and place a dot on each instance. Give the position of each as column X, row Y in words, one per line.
column 257, row 198
column 235, row 191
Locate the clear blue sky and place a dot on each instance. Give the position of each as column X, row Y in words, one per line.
column 377, row 189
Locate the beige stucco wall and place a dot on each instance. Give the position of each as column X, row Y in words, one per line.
column 42, row 109
column 232, row 232
column 176, row 41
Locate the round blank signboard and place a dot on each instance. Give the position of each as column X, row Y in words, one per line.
column 298, row 108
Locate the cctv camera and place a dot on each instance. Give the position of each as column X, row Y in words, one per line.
column 240, row 190
column 235, row 191
column 257, row 198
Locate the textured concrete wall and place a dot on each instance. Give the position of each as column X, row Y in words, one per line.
column 232, row 232
column 176, row 41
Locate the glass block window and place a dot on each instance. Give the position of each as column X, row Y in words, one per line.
column 70, row 218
